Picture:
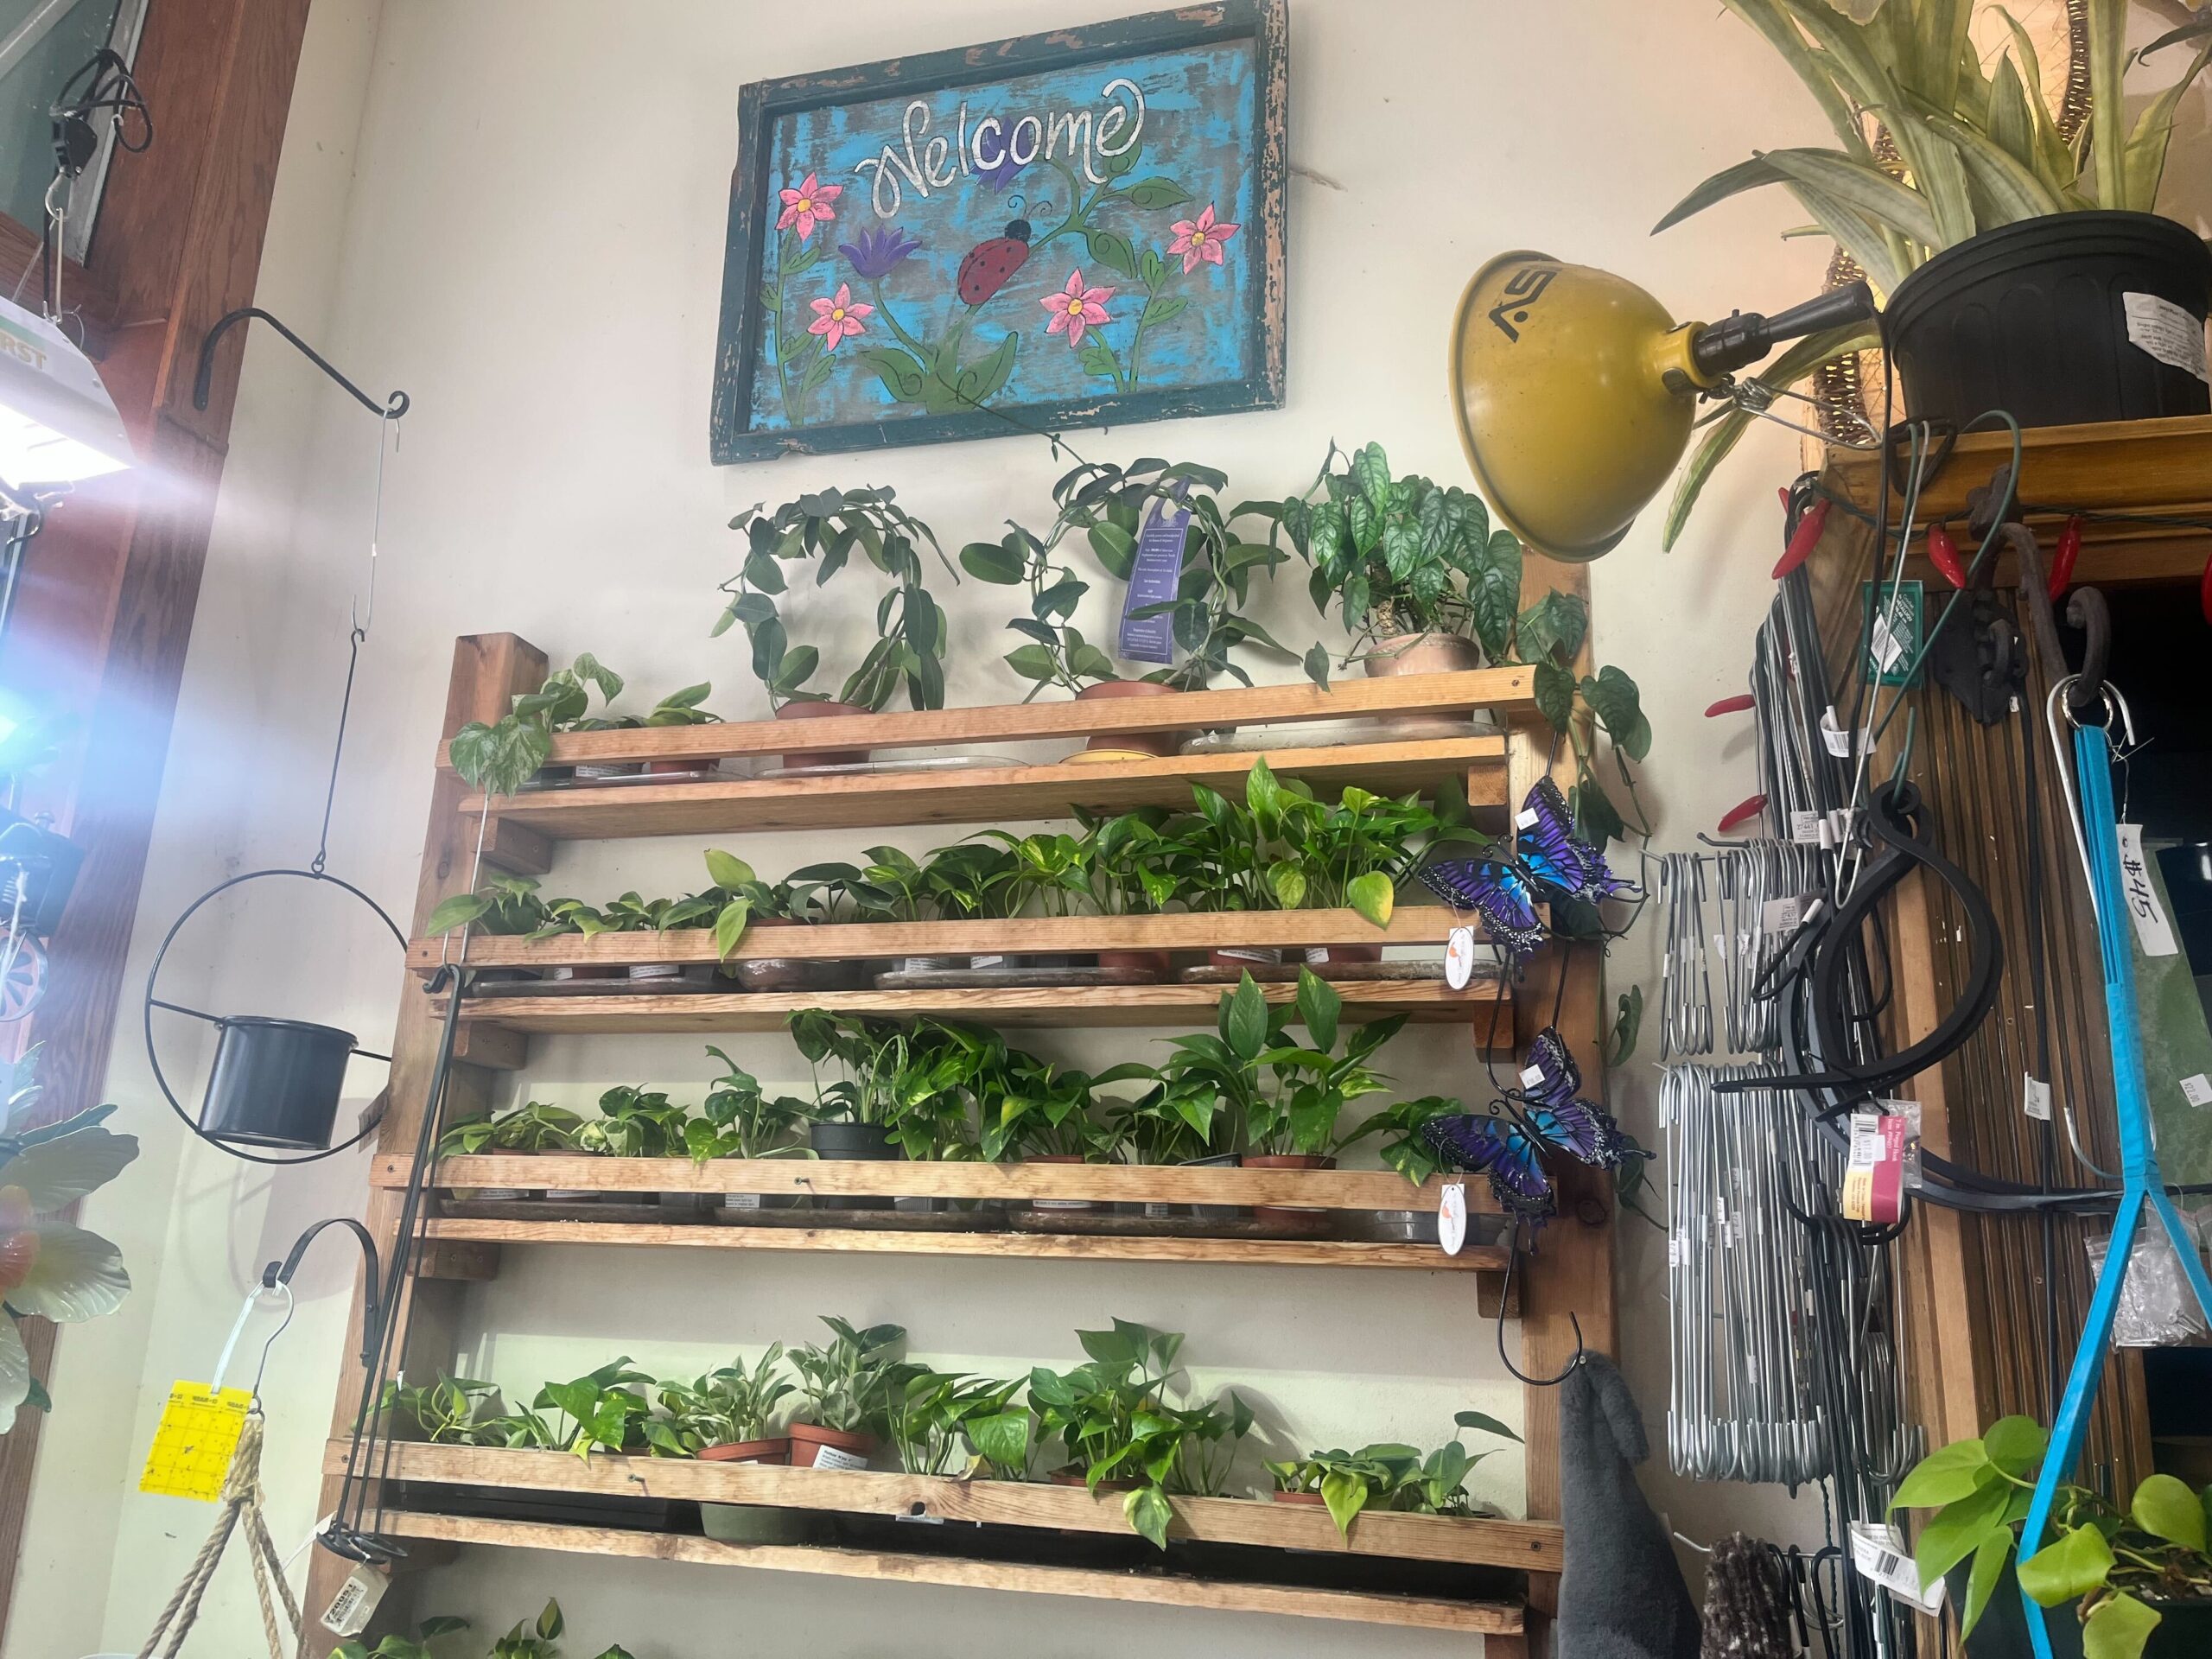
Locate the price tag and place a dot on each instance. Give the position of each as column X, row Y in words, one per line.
column 355, row 1604
column 1805, row 829
column 1838, row 741
column 1451, row 1219
column 193, row 1443
column 1527, row 820
column 836, row 1457
column 2166, row 331
column 1879, row 1553
column 1873, row 1176
column 1783, row 915
column 2153, row 931
column 2198, row 1090
column 2036, row 1100
column 1460, row 958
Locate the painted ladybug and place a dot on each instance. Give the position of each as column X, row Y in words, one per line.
column 988, row 264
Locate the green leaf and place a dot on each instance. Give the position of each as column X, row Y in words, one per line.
column 1149, row 1512
column 1373, row 896
column 994, row 562
column 1318, row 1007
column 1370, row 470
column 1552, row 629
column 1729, row 181
column 1989, row 1558
column 1628, row 1023
column 1612, row 696
column 1346, row 1496
column 1116, row 548
column 1244, row 1019
column 2016, row 1445
column 729, row 927
column 1317, row 665
column 2166, row 1509
column 1595, row 815
column 1158, row 191
column 1866, row 189
column 1944, row 1475
column 456, row 912
column 1956, row 1530
column 1164, row 308
column 1554, row 692
column 2118, row 1628
column 1719, row 438
column 1486, row 1423
column 2067, row 1568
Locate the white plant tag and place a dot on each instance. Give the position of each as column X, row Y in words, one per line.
column 836, row 1457
column 2153, row 931
column 1805, row 829
column 2035, row 1101
column 741, row 1201
column 1880, row 1553
column 2198, row 1090
column 1460, row 958
column 2166, row 331
column 1451, row 1219
column 355, row 1604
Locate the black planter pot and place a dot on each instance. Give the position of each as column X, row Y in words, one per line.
column 2184, row 1629
column 275, row 1083
column 844, row 1143
column 2033, row 318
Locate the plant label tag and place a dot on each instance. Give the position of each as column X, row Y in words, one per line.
column 836, row 1457
column 1880, row 1553
column 2198, row 1090
column 2153, row 931
column 1451, row 1219
column 2157, row 325
column 355, row 1604
column 1805, row 829
column 1154, row 578
column 193, row 1443
column 740, row 1200
column 1460, row 958
column 2036, row 1101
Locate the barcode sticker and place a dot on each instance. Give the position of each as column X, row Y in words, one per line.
column 2198, row 1090
column 1887, row 647
column 1527, row 820
column 1531, row 1075
column 1873, row 1177
column 1879, row 1553
column 355, row 1604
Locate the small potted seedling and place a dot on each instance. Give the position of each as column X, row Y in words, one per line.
column 1174, row 1123
column 740, row 1121
column 850, row 1119
column 631, row 914
column 729, row 1416
column 1125, row 861
column 740, row 901
column 847, row 1386
column 933, row 1419
column 534, row 1129
column 893, row 886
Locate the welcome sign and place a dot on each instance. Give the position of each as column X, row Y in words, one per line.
column 1071, row 229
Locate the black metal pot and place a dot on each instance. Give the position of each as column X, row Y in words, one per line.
column 275, row 1083
column 2034, row 318
column 837, row 1143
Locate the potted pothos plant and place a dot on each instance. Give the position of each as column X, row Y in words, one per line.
column 740, row 1120
column 2019, row 257
column 533, row 1128
column 740, row 900
column 826, row 526
column 1126, row 865
column 1386, row 1476
column 933, row 1419
column 729, row 1415
column 1107, row 1415
column 852, row 1115
column 2120, row 1583
column 1047, row 1113
column 848, row 1385
column 633, row 1123
column 499, row 757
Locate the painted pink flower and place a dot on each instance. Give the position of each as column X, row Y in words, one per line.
column 807, row 206
column 1075, row 307
column 835, row 318
column 1198, row 238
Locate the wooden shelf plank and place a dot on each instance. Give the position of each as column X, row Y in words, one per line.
column 1535, row 1547
column 1482, row 1617
column 1324, row 1189
column 1424, row 1000
column 1412, row 923
column 2153, row 466
column 1001, row 794
column 1509, row 691
column 1049, row 1247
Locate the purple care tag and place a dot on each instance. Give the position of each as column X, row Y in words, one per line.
column 1154, row 581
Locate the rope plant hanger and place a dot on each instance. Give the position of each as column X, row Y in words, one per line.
column 276, row 1083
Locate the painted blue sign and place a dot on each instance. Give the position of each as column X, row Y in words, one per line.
column 1095, row 238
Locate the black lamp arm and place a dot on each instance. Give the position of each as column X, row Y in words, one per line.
column 1736, row 341
column 371, row 1298
column 391, row 410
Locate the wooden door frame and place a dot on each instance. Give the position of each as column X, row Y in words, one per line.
column 105, row 608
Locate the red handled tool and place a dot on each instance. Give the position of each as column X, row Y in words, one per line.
column 1943, row 554
column 2062, row 557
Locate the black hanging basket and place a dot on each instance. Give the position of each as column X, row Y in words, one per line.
column 2034, row 318
column 275, row 1082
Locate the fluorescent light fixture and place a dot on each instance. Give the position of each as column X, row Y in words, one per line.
column 57, row 424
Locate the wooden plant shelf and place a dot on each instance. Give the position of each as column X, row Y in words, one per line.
column 1442, row 1540
column 1000, row 794
column 1509, row 691
column 1067, row 1007
column 1415, row 923
column 1500, row 1618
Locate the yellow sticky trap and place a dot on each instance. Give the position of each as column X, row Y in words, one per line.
column 193, row 1442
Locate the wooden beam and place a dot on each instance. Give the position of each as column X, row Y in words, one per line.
column 1475, row 1617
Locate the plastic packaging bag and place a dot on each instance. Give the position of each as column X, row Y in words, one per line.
column 2158, row 1308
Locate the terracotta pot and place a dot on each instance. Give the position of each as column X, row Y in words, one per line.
column 1321, row 956
column 821, row 711
column 1129, row 745
column 1423, row 653
column 1286, row 1160
column 776, row 1450
column 1152, row 963
column 1311, row 1500
column 830, row 1448
column 1058, row 1204
column 663, row 768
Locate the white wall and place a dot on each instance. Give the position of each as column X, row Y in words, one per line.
column 528, row 238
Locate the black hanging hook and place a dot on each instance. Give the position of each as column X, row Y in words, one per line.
column 1504, row 1296
column 391, row 410
column 372, row 1299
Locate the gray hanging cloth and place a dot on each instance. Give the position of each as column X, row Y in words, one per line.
column 1621, row 1592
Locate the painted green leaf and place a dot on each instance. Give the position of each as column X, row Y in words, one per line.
column 901, row 375
column 1164, row 308
column 1158, row 191
column 1112, row 249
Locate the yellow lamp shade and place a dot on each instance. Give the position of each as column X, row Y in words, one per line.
column 1575, row 393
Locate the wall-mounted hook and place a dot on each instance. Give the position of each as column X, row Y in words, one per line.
column 1504, row 1299
column 391, row 410
column 276, row 1274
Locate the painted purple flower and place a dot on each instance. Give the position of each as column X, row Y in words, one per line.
column 877, row 252
column 1001, row 175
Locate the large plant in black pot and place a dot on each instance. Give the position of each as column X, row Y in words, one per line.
column 2023, row 265
column 2120, row 1583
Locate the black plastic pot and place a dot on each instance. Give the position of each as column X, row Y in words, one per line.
column 2184, row 1629
column 275, row 1083
column 845, row 1143
column 2033, row 318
